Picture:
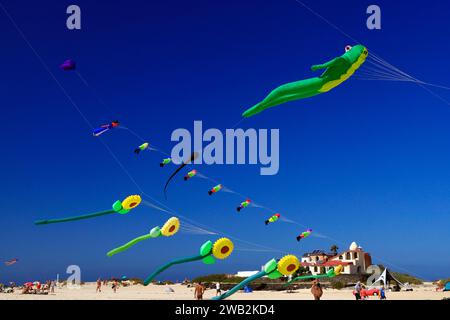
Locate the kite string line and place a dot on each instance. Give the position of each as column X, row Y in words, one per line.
column 45, row 65
column 87, row 121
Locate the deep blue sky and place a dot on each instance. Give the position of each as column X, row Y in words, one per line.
column 366, row 162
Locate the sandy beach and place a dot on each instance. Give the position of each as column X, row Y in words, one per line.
column 181, row 292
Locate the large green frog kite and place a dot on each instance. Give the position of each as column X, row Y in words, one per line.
column 337, row 71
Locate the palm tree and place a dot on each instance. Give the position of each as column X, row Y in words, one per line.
column 334, row 249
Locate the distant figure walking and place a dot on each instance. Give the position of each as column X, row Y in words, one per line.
column 316, row 290
column 199, row 290
column 52, row 286
column 218, row 290
column 99, row 286
column 115, row 285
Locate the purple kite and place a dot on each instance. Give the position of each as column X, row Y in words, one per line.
column 68, row 65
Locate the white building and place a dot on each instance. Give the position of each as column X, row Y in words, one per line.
column 246, row 274
column 354, row 260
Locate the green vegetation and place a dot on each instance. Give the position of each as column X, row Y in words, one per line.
column 302, row 271
column 403, row 278
column 136, row 281
column 336, row 284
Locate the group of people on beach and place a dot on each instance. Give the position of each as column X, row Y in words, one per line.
column 100, row 283
column 200, row 290
column 361, row 293
column 35, row 287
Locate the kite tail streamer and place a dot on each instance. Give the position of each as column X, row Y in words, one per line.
column 87, row 216
column 240, row 285
column 169, row 264
column 128, row 245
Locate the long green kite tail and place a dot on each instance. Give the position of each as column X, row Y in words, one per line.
column 128, row 245
column 87, row 216
column 121, row 207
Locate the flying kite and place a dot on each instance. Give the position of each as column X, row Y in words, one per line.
column 105, row 127
column 304, row 234
column 68, row 65
column 190, row 174
column 142, row 147
column 330, row 274
column 209, row 252
column 11, row 262
column 337, row 71
column 122, row 207
column 194, row 156
column 169, row 229
column 243, row 205
column 273, row 218
column 272, row 269
column 215, row 189
column 165, row 161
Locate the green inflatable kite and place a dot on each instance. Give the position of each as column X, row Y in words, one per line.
column 209, row 252
column 122, row 207
column 337, row 71
column 273, row 269
column 169, row 229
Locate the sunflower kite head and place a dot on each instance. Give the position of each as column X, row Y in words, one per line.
column 170, row 227
column 221, row 249
column 285, row 267
column 126, row 205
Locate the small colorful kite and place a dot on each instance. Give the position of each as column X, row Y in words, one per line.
column 304, row 234
column 165, row 161
column 68, row 65
column 243, row 205
column 272, row 269
column 221, row 249
column 169, row 229
column 190, row 174
column 215, row 189
column 123, row 207
column 273, row 218
column 105, row 127
column 11, row 262
column 142, row 147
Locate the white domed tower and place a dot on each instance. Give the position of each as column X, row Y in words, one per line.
column 353, row 246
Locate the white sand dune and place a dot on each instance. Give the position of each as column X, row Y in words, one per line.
column 181, row 292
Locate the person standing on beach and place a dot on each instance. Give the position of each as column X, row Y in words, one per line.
column 99, row 286
column 316, row 290
column 52, row 286
column 382, row 293
column 199, row 290
column 358, row 288
column 218, row 290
